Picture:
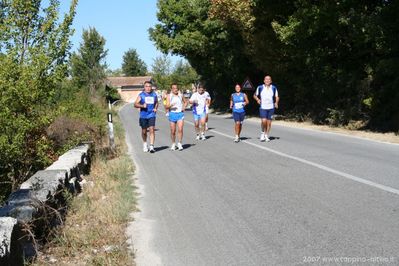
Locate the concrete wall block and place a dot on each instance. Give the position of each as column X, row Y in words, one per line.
column 11, row 252
column 72, row 159
column 45, row 184
column 6, row 227
column 34, row 204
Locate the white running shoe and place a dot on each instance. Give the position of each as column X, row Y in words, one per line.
column 262, row 137
column 197, row 137
column 145, row 147
column 179, row 146
column 236, row 139
column 203, row 137
column 173, row 147
column 152, row 150
column 267, row 138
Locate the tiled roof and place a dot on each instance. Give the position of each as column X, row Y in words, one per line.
column 127, row 81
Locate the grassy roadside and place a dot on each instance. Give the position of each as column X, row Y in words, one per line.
column 94, row 230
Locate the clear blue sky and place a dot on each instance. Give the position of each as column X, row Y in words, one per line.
column 123, row 23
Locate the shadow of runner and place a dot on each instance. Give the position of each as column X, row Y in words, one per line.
column 161, row 148
column 186, row 146
column 273, row 138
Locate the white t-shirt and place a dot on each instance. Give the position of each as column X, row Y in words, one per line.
column 177, row 102
column 199, row 108
column 266, row 97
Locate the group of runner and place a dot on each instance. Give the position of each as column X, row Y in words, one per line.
column 266, row 95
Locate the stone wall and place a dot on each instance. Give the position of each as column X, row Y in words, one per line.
column 40, row 205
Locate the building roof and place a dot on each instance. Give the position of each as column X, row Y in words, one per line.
column 127, row 81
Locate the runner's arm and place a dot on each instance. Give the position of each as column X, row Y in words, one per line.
column 137, row 103
column 256, row 96
column 156, row 105
column 246, row 99
column 277, row 100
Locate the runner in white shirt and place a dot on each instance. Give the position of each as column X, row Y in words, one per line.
column 176, row 104
column 199, row 100
column 266, row 96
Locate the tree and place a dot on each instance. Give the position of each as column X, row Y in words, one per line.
column 184, row 75
column 132, row 64
column 335, row 60
column 88, row 64
column 161, row 70
column 114, row 72
column 212, row 47
column 34, row 46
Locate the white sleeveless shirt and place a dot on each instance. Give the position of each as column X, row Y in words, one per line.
column 177, row 102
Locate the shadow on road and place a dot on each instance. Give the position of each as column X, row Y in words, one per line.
column 274, row 138
column 186, row 146
column 161, row 148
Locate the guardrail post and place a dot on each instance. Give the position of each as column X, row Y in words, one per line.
column 111, row 131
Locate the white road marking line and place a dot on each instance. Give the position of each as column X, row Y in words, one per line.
column 322, row 167
column 319, row 166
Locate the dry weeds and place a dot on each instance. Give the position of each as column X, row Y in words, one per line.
column 94, row 230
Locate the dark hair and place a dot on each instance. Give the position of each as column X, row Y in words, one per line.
column 147, row 82
column 237, row 85
column 174, row 83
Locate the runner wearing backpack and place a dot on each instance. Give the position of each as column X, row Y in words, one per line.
column 266, row 95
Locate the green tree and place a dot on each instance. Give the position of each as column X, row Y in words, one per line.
column 88, row 64
column 132, row 64
column 114, row 72
column 34, row 46
column 184, row 75
column 161, row 70
column 384, row 93
column 214, row 49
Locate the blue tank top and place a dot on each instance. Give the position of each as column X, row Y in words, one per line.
column 150, row 99
column 238, row 102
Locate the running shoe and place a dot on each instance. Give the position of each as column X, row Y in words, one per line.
column 203, row 137
column 173, row 147
column 262, row 137
column 145, row 147
column 152, row 150
column 197, row 137
column 179, row 146
column 267, row 138
column 236, row 139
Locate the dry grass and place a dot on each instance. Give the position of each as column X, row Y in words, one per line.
column 94, row 231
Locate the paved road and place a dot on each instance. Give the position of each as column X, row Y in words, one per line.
column 305, row 196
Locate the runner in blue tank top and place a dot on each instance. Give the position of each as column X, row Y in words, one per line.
column 147, row 101
column 238, row 101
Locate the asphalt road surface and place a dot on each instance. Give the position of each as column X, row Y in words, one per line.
column 304, row 198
